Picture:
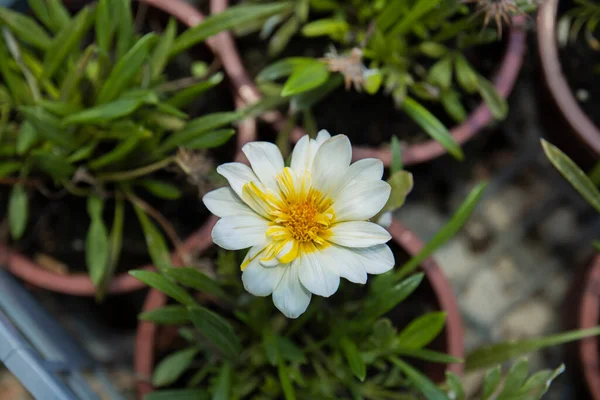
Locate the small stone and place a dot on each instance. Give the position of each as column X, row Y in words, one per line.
column 484, row 298
column 582, row 95
column 503, row 209
column 560, row 227
column 530, row 319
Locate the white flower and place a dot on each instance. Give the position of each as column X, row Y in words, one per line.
column 306, row 225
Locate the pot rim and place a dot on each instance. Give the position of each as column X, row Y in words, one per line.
column 589, row 317
column 146, row 331
column 556, row 82
column 504, row 81
column 80, row 284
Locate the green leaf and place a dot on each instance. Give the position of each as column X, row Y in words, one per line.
column 217, row 330
column 40, row 10
column 417, row 11
column 18, row 205
column 354, row 358
column 173, row 366
column 459, row 218
column 168, row 315
column 451, row 102
column 538, row 384
column 53, row 165
column 282, row 37
column 305, row 78
column 125, row 26
column 285, row 381
column 433, row 49
column 432, row 126
column 59, row 14
column 8, row 168
column 233, row 17
column 160, row 57
column 48, row 126
column 201, row 128
column 440, row 73
column 66, row 41
column 157, row 247
column 223, row 383
column 106, row 112
column 163, row 284
column 495, row 102
column 189, row 94
column 515, row 378
column 420, row 381
column 105, row 25
column 465, row 74
column 456, row 391
column 428, row 355
column 373, row 78
column 396, row 164
column 572, row 173
column 282, row 68
column 161, row 189
column 335, row 28
column 25, row 28
column 420, row 332
column 306, row 100
column 97, row 250
column 401, row 183
column 26, row 138
column 120, row 151
column 59, row 108
column 193, row 278
column 115, row 244
column 210, row 140
column 491, row 382
column 487, row 356
column 386, row 300
column 178, row 394
column 20, row 91
column 126, row 69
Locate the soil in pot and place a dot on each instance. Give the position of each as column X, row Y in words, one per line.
column 423, row 300
column 581, row 67
column 368, row 120
column 58, row 222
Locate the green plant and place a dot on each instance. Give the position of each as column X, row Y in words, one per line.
column 584, row 15
column 414, row 49
column 97, row 118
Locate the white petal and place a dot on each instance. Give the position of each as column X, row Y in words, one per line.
column 223, row 202
column 301, row 156
column 240, row 232
column 348, row 264
column 361, row 200
column 376, row 259
column 385, row 220
column 261, row 281
column 266, row 161
column 322, row 136
column 318, row 274
column 358, row 234
column 237, row 174
column 290, row 297
column 368, row 168
column 331, row 164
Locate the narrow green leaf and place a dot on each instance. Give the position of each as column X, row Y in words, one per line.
column 233, row 17
column 173, row 366
column 217, row 330
column 306, row 100
column 420, row 8
column 53, row 165
column 373, row 78
column 178, row 394
column 573, row 174
column 487, row 356
column 83, row 152
column 104, row 112
column 8, row 168
column 539, row 383
column 59, row 14
column 210, row 140
column 456, row 391
column 19, row 89
column 97, row 249
column 459, row 218
column 492, row 380
column 223, row 383
column 401, row 183
column 305, row 78
column 515, row 378
column 115, row 241
column 428, row 355
column 66, row 41
column 331, row 27
column 433, row 49
column 354, row 358
column 193, row 278
column 168, row 315
column 40, row 10
column 495, row 102
column 420, row 381
column 420, row 332
column 59, row 108
column 48, row 126
column 432, row 126
column 105, row 25
column 396, row 165
column 465, row 74
column 282, row 36
column 440, row 74
column 451, row 102
column 160, row 57
column 126, row 69
column 392, row 296
column 25, row 28
column 125, row 27
column 123, row 149
column 161, row 189
column 26, row 138
column 18, row 206
column 282, row 68
column 163, row 284
column 184, row 97
column 157, row 247
column 285, row 381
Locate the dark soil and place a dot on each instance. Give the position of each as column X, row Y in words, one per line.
column 581, row 66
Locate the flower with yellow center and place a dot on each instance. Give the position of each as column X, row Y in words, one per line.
column 306, row 225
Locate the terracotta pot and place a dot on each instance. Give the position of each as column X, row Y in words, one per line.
column 589, row 317
column 504, row 82
column 451, row 337
column 80, row 284
column 567, row 124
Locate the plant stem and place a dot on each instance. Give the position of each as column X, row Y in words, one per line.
column 136, row 173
